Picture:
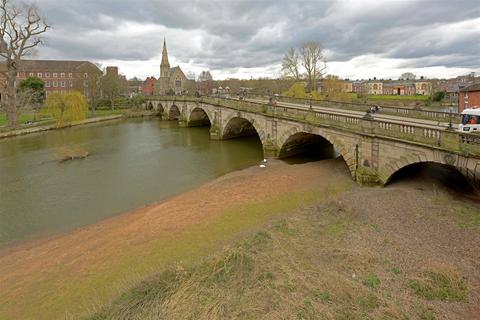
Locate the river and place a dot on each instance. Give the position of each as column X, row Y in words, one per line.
column 131, row 163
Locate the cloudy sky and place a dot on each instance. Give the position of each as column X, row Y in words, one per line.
column 243, row 39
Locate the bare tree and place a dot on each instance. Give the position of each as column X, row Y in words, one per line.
column 20, row 29
column 205, row 82
column 290, row 64
column 312, row 59
column 408, row 76
column 90, row 83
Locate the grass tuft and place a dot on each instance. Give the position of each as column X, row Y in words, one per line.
column 372, row 281
column 440, row 284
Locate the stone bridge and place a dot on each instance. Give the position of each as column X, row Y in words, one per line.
column 373, row 149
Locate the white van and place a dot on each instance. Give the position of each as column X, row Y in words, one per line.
column 470, row 120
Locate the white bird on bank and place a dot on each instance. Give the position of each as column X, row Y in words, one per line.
column 263, row 164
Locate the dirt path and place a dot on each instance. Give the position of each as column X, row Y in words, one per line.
column 71, row 272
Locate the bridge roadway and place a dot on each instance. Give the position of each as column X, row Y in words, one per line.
column 377, row 115
column 373, row 147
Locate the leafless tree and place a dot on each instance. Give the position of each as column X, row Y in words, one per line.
column 313, row 61
column 290, row 64
column 21, row 28
column 408, row 76
column 205, row 82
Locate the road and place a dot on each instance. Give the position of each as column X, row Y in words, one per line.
column 431, row 124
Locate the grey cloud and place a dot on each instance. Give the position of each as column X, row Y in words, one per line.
column 231, row 30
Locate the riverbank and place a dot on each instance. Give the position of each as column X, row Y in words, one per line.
column 322, row 245
column 77, row 272
column 48, row 127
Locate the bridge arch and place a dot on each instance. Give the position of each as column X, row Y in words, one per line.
column 159, row 107
column 306, row 143
column 316, row 137
column 446, row 174
column 150, row 106
column 438, row 159
column 199, row 116
column 174, row 112
column 238, row 126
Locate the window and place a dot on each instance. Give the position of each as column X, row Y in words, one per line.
column 62, row 84
column 47, row 74
column 47, row 93
column 62, row 75
column 70, row 75
column 47, row 84
column 85, row 83
column 85, row 75
column 178, row 83
column 55, row 75
column 55, row 84
column 39, row 74
column 31, row 74
column 71, row 84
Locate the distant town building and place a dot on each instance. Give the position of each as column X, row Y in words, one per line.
column 375, row 87
column 469, row 97
column 59, row 76
column 172, row 80
column 359, row 87
column 134, row 87
column 347, row 86
column 423, row 88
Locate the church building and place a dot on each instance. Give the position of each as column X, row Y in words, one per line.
column 172, row 81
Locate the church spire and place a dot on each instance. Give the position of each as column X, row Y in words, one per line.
column 165, row 65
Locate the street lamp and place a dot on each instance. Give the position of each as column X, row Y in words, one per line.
column 450, row 126
column 311, row 101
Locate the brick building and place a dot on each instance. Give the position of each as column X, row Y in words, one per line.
column 60, row 76
column 469, row 97
column 148, row 86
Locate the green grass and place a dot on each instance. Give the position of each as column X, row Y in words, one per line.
column 397, row 97
column 372, row 281
column 439, row 284
column 469, row 217
column 106, row 112
column 23, row 118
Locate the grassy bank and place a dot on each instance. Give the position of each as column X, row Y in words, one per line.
column 25, row 117
column 80, row 272
column 327, row 261
column 397, row 98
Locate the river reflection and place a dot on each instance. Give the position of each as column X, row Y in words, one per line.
column 131, row 163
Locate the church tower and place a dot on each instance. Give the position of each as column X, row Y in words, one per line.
column 164, row 65
column 163, row 83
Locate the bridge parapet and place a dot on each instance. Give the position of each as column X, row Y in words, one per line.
column 422, row 134
column 363, row 107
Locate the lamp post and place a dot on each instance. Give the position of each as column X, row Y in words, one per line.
column 311, row 101
column 450, row 126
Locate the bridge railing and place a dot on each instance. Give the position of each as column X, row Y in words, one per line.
column 363, row 107
column 423, row 134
